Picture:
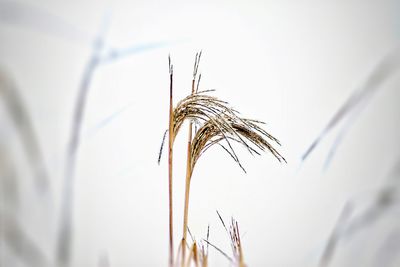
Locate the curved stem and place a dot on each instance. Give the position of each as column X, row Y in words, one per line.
column 187, row 185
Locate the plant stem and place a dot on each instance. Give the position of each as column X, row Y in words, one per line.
column 171, row 135
column 187, row 186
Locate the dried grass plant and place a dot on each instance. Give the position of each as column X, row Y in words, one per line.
column 237, row 259
column 236, row 243
column 216, row 123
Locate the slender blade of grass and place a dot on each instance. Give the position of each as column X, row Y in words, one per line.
column 384, row 70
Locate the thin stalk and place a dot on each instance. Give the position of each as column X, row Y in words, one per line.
column 170, row 151
column 189, row 164
column 187, row 186
column 178, row 255
column 193, row 255
column 239, row 244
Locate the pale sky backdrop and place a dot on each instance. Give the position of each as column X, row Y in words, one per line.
column 291, row 64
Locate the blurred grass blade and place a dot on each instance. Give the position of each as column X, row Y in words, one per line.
column 347, row 226
column 387, row 254
column 385, row 198
column 348, row 122
column 31, row 16
column 23, row 247
column 331, row 244
column 65, row 231
column 384, row 70
column 23, row 123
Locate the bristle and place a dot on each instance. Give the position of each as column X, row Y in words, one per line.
column 170, row 66
column 219, row 250
column 222, row 221
column 190, row 233
column 161, row 147
column 198, row 83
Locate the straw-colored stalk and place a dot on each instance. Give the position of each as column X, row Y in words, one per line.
column 188, row 165
column 193, row 256
column 203, row 254
column 170, row 160
column 203, row 257
column 198, row 254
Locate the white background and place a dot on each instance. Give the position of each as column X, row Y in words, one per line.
column 291, row 64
